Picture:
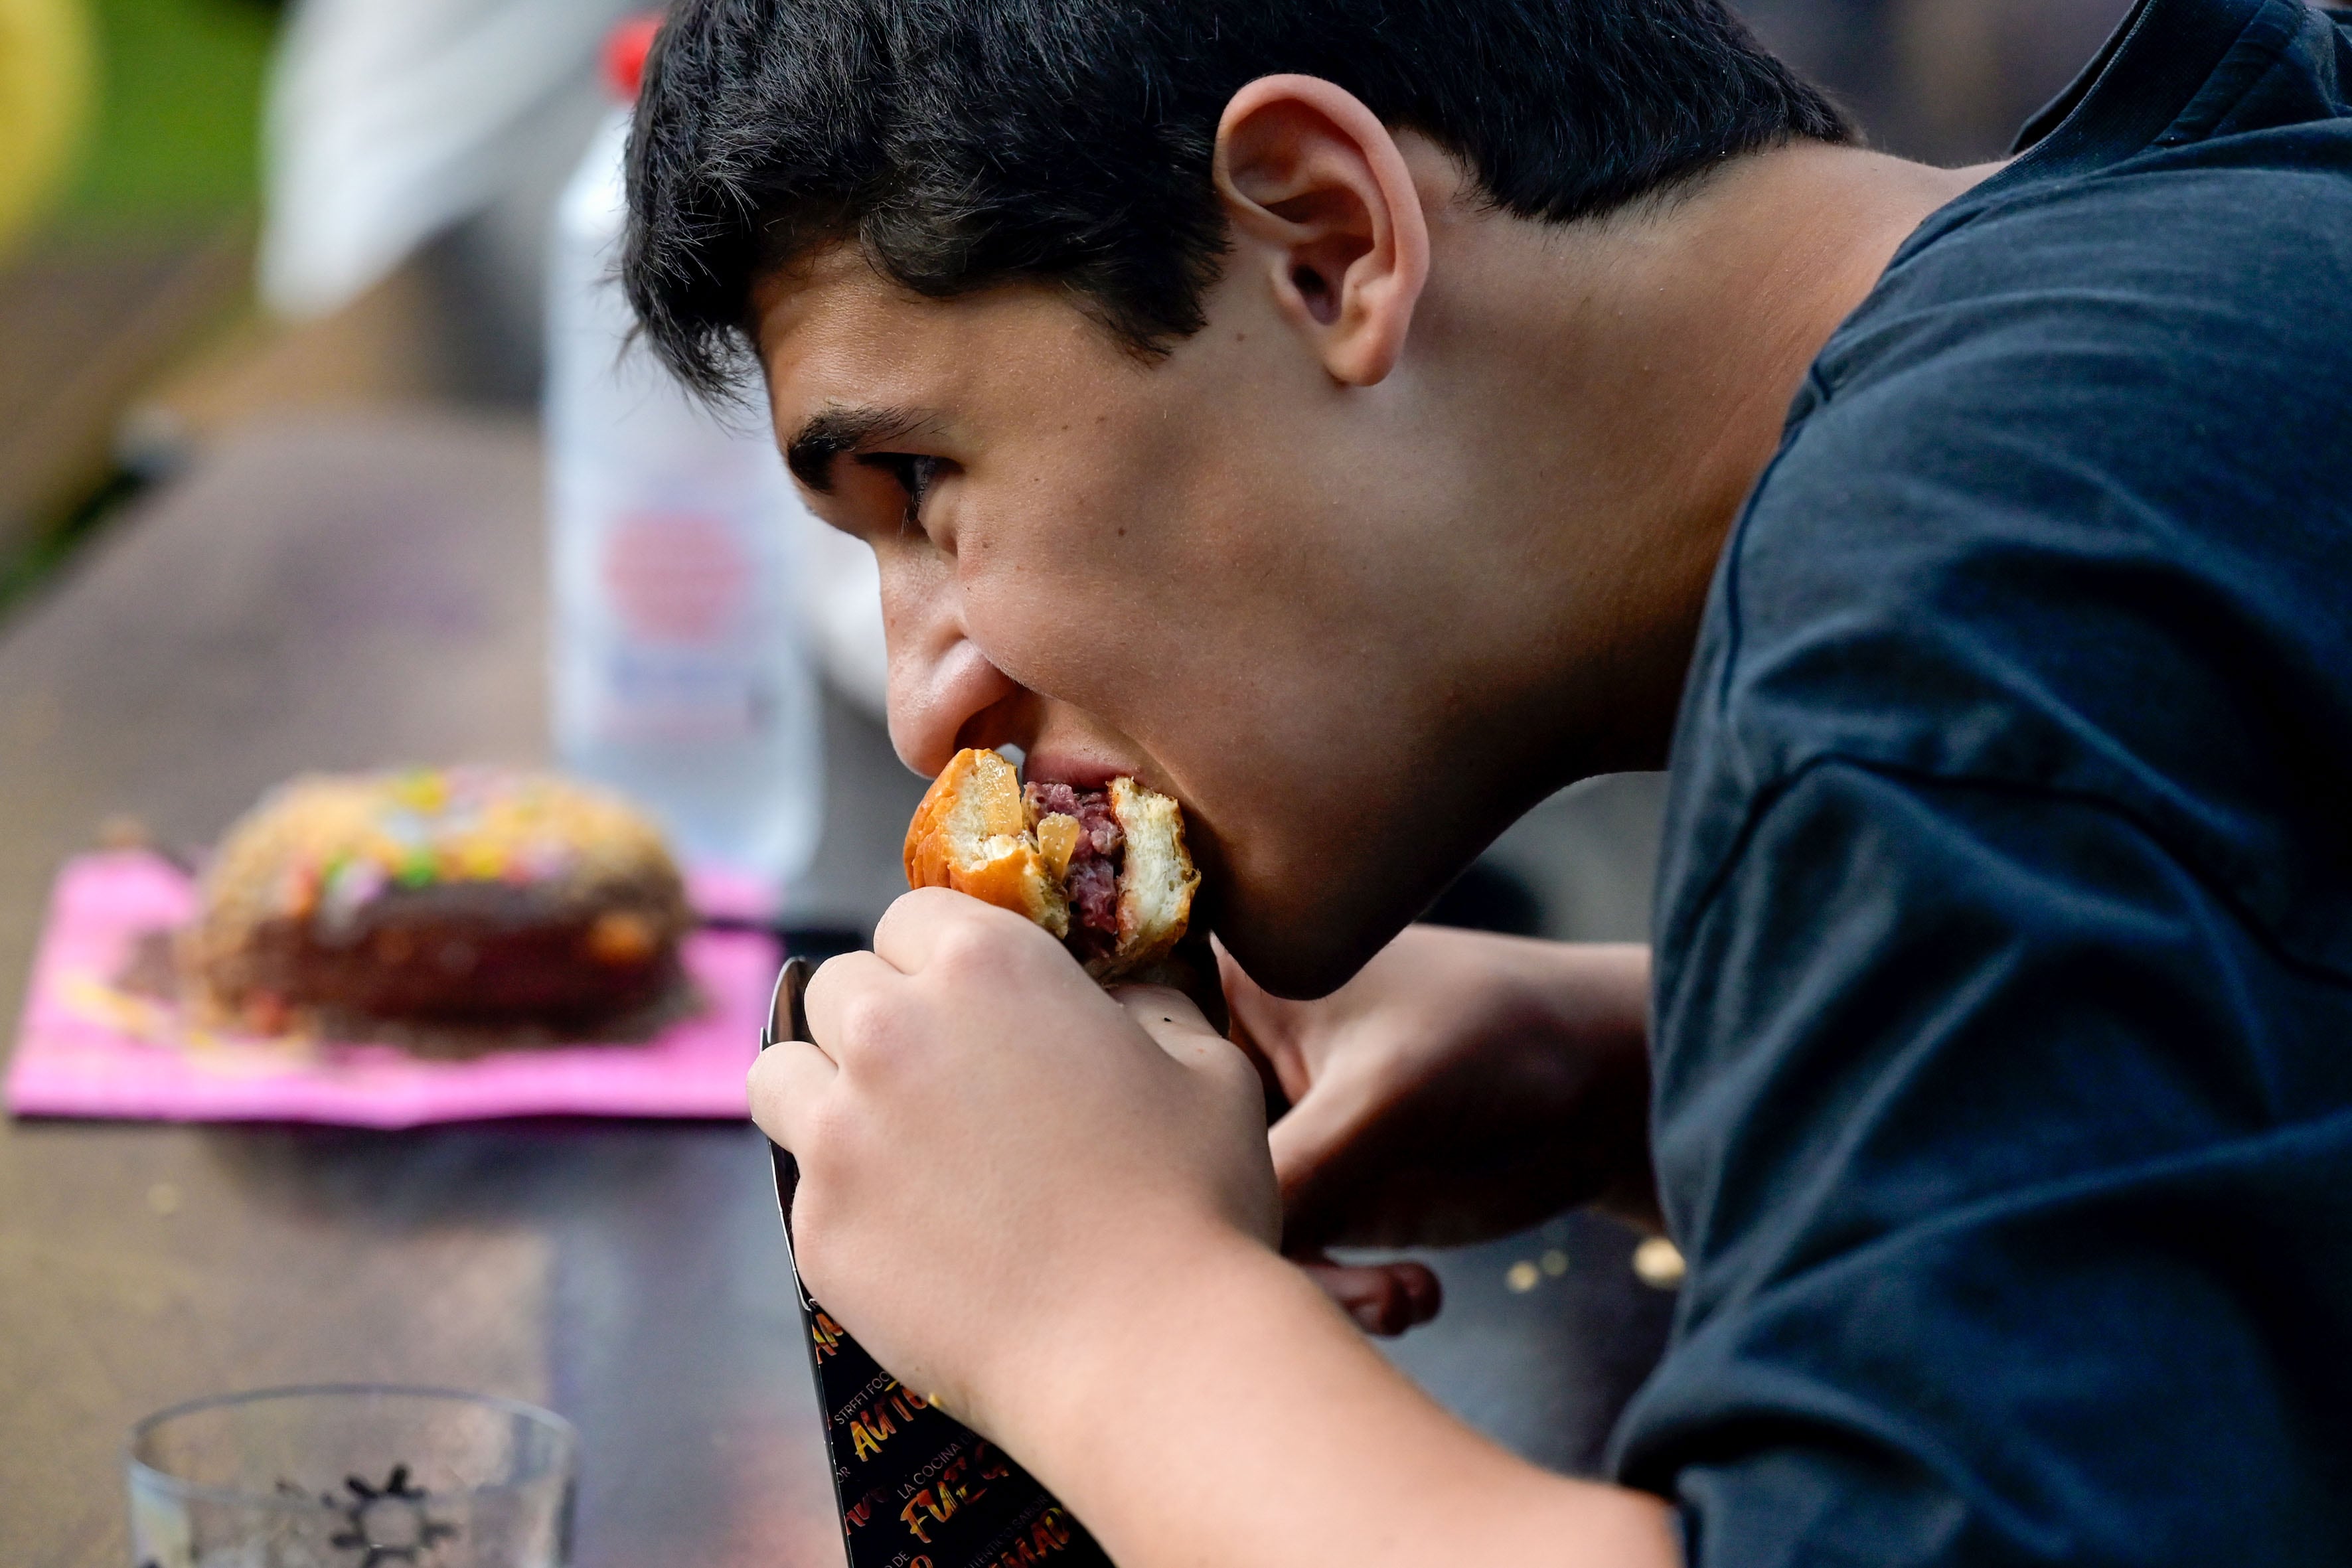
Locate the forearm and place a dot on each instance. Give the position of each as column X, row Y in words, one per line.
column 1216, row 1408
column 1591, row 1001
column 1602, row 990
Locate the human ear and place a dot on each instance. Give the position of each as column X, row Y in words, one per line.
column 1321, row 202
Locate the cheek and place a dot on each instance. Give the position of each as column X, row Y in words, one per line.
column 1171, row 598
column 1066, row 594
column 919, row 608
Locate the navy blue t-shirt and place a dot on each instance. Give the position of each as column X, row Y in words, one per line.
column 2003, row 1029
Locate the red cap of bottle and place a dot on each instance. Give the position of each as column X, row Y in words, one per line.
column 625, row 54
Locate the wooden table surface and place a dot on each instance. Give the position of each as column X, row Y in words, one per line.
column 369, row 593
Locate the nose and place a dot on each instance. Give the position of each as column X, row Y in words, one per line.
column 941, row 682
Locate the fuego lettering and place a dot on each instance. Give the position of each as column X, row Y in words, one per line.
column 1050, row 1534
column 937, row 1503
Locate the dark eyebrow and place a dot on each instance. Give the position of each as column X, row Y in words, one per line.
column 836, row 430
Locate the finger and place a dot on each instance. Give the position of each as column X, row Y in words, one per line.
column 788, row 1080
column 832, row 991
column 1325, row 1155
column 1385, row 1299
column 1424, row 1294
column 1173, row 1020
column 911, row 929
column 1359, row 1292
column 1231, row 976
column 1251, row 1009
column 1240, row 993
column 1319, row 1131
column 1176, row 1024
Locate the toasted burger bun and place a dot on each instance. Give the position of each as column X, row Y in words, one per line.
column 974, row 833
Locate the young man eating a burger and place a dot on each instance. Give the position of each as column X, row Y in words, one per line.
column 1359, row 421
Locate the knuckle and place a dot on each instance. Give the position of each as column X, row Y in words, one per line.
column 829, row 1130
column 975, row 948
column 858, row 1016
column 874, row 1038
column 965, row 947
column 927, row 907
column 832, row 976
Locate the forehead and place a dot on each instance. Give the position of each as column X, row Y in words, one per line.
column 831, row 329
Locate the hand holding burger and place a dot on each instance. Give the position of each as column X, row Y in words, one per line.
column 1069, row 1153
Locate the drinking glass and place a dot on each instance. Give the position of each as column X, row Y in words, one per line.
column 352, row 1477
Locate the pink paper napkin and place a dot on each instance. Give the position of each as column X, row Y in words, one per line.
column 85, row 1048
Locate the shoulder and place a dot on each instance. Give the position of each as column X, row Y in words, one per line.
column 2064, row 504
column 2204, row 264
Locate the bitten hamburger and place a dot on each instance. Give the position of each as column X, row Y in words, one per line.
column 1104, row 870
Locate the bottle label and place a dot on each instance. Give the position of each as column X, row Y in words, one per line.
column 689, row 661
column 676, row 578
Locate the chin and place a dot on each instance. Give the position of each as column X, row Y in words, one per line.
column 1301, row 924
column 1304, row 954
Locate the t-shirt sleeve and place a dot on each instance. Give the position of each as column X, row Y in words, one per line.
column 2015, row 1172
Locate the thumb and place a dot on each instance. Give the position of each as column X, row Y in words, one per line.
column 1258, row 1028
column 1385, row 1299
column 1176, row 1024
column 1315, row 1146
column 1171, row 1018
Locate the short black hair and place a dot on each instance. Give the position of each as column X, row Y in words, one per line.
column 963, row 143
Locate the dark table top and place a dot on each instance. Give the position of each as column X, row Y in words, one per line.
column 370, row 593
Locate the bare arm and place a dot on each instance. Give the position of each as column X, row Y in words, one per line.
column 1223, row 1410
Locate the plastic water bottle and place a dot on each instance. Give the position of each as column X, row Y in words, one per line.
column 680, row 675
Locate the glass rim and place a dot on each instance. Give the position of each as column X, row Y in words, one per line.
column 137, row 1469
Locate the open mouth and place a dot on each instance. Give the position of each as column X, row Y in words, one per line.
column 1079, row 836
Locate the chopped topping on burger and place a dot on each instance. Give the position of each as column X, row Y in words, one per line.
column 1089, row 866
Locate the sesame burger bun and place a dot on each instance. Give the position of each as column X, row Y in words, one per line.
column 975, row 831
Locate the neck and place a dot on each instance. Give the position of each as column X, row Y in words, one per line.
column 1637, row 373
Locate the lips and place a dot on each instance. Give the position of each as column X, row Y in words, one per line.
column 1079, row 772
